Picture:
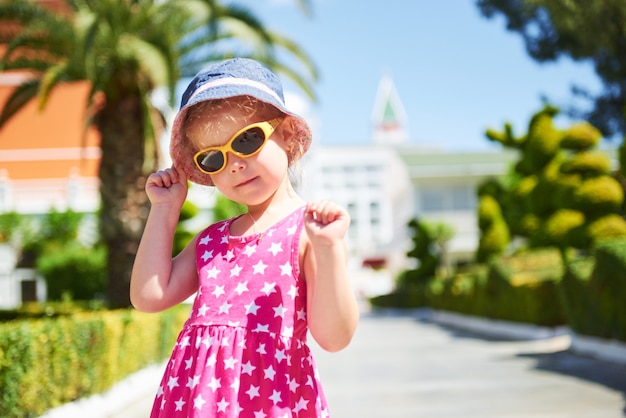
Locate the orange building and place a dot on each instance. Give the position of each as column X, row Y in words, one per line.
column 47, row 157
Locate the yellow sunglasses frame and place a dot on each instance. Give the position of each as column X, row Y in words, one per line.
column 268, row 128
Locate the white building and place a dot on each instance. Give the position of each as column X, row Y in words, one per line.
column 390, row 181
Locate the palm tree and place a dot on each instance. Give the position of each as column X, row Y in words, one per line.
column 126, row 49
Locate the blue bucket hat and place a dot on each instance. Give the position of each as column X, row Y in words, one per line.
column 231, row 78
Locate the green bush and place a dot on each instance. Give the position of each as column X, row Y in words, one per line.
column 601, row 194
column 47, row 362
column 594, row 290
column 74, row 270
column 581, row 136
column 588, row 163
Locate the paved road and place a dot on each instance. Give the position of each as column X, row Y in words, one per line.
column 401, row 367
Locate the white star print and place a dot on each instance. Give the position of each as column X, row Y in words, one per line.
column 179, row 404
column 234, row 272
column 212, row 274
column 218, row 291
column 275, row 396
column 275, row 248
column 206, row 255
column 259, row 414
column 230, row 254
column 235, row 384
column 288, row 331
column 293, row 385
column 292, row 230
column 215, row 384
column 261, row 328
column 280, row 355
column 211, row 361
column 259, row 268
column 253, row 391
column 268, row 288
column 279, row 311
column 159, row 391
column 221, row 405
column 205, row 240
column 247, row 368
column 269, row 373
column 184, row 343
column 293, row 292
column 229, row 363
column 193, row 382
column 207, row 341
column 301, row 405
column 173, row 382
column 301, row 315
column 198, row 402
column 203, row 309
column 225, row 308
column 224, row 239
column 249, row 250
column 188, row 363
column 285, row 269
column 252, row 308
column 261, row 349
column 241, row 287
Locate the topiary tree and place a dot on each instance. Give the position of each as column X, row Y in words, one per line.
column 590, row 197
column 565, row 195
column 494, row 231
column 424, row 253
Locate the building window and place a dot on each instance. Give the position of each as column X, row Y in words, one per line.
column 447, row 199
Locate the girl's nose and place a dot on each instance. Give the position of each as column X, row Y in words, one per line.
column 235, row 163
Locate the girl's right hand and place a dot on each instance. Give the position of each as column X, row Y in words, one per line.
column 167, row 186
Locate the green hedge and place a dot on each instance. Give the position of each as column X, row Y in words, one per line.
column 47, row 362
column 523, row 288
column 595, row 291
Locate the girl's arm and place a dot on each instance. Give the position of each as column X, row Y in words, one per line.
column 332, row 309
column 157, row 281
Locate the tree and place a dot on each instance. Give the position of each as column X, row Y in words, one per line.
column 592, row 30
column 126, row 49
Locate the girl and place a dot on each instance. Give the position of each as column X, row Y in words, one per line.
column 261, row 279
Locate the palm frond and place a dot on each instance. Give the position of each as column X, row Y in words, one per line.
column 23, row 94
column 49, row 80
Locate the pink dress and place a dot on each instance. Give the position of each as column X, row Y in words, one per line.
column 243, row 350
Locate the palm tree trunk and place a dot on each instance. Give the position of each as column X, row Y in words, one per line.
column 124, row 202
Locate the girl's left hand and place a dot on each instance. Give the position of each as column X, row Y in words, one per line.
column 326, row 222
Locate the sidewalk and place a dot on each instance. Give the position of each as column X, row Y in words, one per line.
column 406, row 366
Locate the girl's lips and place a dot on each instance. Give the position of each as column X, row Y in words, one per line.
column 245, row 182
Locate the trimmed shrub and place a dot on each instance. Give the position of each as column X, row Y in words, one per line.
column 588, row 163
column 47, row 362
column 75, row 271
column 599, row 195
column 594, row 290
column 581, row 136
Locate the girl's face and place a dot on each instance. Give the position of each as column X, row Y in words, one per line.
column 250, row 180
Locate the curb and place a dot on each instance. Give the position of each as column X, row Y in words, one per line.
column 601, row 349
column 114, row 400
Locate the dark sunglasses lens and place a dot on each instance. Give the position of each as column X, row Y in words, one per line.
column 249, row 141
column 211, row 161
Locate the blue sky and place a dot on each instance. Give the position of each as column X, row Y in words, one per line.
column 456, row 72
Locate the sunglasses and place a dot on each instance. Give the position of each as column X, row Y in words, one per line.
column 245, row 143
